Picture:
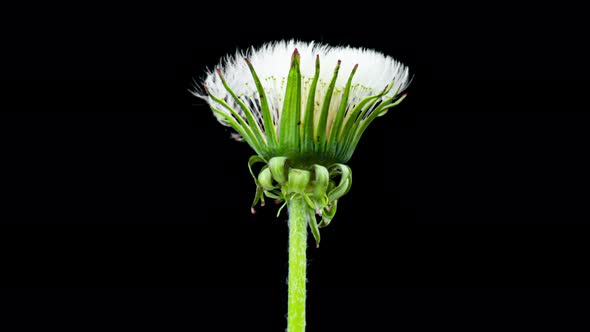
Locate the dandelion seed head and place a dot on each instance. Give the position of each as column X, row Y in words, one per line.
column 272, row 62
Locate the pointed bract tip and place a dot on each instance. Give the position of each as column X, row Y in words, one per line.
column 295, row 57
column 355, row 67
column 247, row 61
column 339, row 62
column 253, row 210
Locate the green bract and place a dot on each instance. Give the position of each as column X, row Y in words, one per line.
column 304, row 151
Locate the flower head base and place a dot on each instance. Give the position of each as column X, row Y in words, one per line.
column 302, row 119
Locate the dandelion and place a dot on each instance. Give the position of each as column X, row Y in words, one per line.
column 304, row 121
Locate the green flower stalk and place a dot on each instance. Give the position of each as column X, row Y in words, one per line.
column 304, row 120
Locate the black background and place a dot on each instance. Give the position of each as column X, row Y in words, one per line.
column 126, row 205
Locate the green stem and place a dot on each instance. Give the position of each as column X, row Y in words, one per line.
column 298, row 215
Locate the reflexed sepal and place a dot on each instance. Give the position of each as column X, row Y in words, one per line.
column 328, row 214
column 345, row 181
column 320, row 187
column 259, row 192
column 298, row 181
column 313, row 225
column 265, row 179
column 277, row 168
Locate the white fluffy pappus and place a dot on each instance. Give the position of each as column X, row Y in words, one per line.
column 272, row 63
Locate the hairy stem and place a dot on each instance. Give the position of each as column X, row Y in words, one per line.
column 298, row 215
